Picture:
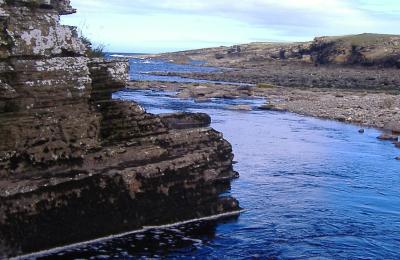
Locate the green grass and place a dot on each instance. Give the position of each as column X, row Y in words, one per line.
column 265, row 85
column 93, row 51
column 364, row 39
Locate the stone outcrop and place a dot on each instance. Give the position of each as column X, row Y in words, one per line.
column 364, row 49
column 76, row 165
column 357, row 62
column 371, row 50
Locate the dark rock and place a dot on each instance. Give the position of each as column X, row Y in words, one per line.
column 267, row 107
column 245, row 88
column 364, row 49
column 76, row 165
column 361, row 131
column 270, row 107
column 219, row 56
column 388, row 137
column 185, row 120
column 234, row 50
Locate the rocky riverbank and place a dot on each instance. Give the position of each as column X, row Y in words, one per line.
column 364, row 50
column 365, row 61
column 365, row 108
column 76, row 165
column 303, row 75
column 352, row 78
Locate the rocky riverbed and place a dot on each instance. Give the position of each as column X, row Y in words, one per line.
column 366, row 108
column 353, row 78
column 364, row 61
column 303, row 75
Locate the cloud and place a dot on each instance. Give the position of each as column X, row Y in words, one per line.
column 280, row 19
column 261, row 12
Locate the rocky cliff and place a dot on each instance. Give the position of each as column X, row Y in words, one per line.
column 364, row 49
column 379, row 50
column 76, row 165
column 362, row 62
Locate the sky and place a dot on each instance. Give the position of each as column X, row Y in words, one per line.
column 153, row 26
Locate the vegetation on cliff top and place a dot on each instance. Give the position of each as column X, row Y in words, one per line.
column 367, row 39
column 380, row 50
column 93, row 51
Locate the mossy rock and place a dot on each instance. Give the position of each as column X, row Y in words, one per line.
column 265, row 85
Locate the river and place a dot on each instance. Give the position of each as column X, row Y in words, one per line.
column 311, row 189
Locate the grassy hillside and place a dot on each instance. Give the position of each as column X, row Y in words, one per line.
column 366, row 49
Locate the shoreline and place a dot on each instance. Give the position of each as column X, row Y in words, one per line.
column 111, row 237
column 363, row 108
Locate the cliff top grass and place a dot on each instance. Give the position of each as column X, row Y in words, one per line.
column 367, row 39
column 93, row 51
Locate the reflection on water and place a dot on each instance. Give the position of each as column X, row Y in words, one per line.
column 311, row 189
column 155, row 243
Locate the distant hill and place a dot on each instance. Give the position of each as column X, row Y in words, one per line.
column 367, row 49
column 364, row 49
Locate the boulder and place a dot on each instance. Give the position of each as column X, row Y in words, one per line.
column 388, row 137
column 185, row 120
column 270, row 107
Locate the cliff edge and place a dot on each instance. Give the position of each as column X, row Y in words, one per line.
column 364, row 50
column 76, row 165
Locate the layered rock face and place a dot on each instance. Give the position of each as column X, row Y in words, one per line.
column 377, row 50
column 363, row 50
column 76, row 165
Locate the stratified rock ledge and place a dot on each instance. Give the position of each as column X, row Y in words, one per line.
column 76, row 165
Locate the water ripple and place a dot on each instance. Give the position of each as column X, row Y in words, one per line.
column 312, row 189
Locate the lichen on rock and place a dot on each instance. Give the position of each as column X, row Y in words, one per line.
column 77, row 165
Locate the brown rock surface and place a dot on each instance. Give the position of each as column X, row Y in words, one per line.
column 77, row 165
column 359, row 62
column 366, row 49
column 367, row 108
column 388, row 137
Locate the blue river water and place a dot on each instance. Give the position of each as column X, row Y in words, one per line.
column 146, row 69
column 142, row 69
column 311, row 189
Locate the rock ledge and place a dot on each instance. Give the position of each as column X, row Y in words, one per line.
column 76, row 165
